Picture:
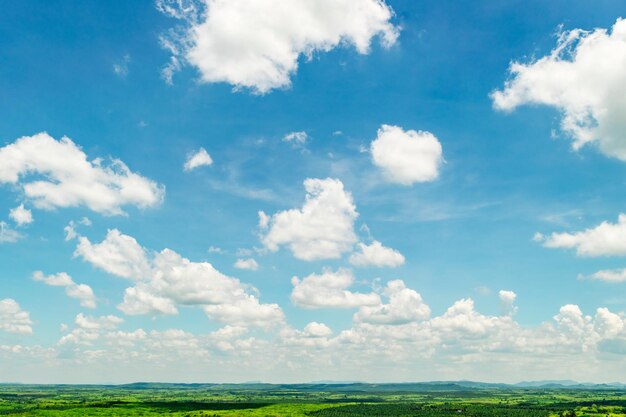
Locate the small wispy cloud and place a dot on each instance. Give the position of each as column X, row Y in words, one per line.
column 197, row 159
column 8, row 235
column 296, row 139
column 120, row 68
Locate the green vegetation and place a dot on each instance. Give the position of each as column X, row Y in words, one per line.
column 311, row 400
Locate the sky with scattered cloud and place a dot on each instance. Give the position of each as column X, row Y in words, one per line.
column 375, row 190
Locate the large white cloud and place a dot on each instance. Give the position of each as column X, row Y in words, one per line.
column 56, row 173
column 322, row 229
column 405, row 306
column 584, row 78
column 375, row 254
column 13, row 319
column 118, row 254
column 406, row 157
column 82, row 292
column 167, row 280
column 329, row 290
column 606, row 239
column 256, row 44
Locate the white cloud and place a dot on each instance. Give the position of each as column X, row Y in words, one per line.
column 118, row 254
column 82, row 292
column 609, row 275
column 141, row 299
column 166, row 280
column 377, row 255
column 249, row 264
column 197, row 159
column 507, row 301
column 297, row 139
column 406, row 157
column 98, row 323
column 461, row 321
column 13, row 319
column 329, row 290
column 405, row 306
column 572, row 321
column 89, row 329
column 608, row 324
column 583, row 78
column 245, row 310
column 606, row 239
column 315, row 329
column 322, row 229
column 8, row 235
column 21, row 216
column 257, row 44
column 63, row 177
column 314, row 336
column 57, row 280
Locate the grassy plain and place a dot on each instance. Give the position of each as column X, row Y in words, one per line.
column 310, row 400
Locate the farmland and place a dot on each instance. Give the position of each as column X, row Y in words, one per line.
column 313, row 400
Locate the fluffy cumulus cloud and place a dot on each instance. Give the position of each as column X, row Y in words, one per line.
column 315, row 329
column 13, row 319
column 56, row 173
column 461, row 322
column 21, row 215
column 88, row 329
column 583, row 78
column 117, row 254
column 606, row 239
column 329, row 290
column 248, row 263
column 405, row 306
column 166, row 280
column 81, row 292
column 198, row 159
column 406, row 157
column 261, row 51
column 322, row 229
column 375, row 254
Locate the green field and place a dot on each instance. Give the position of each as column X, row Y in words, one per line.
column 315, row 400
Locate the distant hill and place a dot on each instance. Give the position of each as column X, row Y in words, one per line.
column 352, row 387
column 364, row 387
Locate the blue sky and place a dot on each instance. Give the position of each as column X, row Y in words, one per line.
column 509, row 168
